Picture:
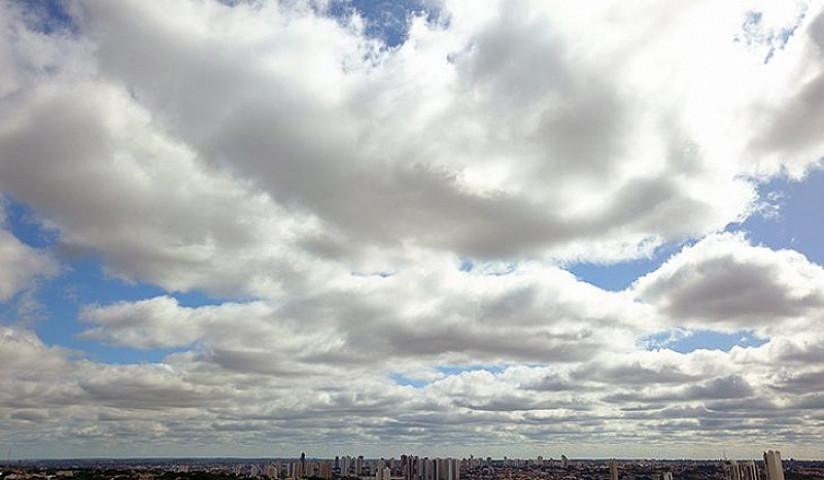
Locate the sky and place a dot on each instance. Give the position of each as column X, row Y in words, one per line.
column 440, row 227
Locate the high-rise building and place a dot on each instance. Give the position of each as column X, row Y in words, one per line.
column 772, row 463
column 407, row 466
column 453, row 469
column 296, row 470
column 564, row 462
column 741, row 471
column 325, row 470
column 425, row 471
column 613, row 469
column 732, row 470
column 749, row 471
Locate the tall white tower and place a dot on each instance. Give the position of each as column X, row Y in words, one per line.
column 613, row 469
column 733, row 470
column 772, row 463
column 749, row 470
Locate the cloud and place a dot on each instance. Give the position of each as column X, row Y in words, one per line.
column 152, row 387
column 111, row 184
column 188, row 399
column 725, row 283
column 36, row 378
column 360, row 214
column 161, row 322
column 720, row 388
column 790, row 119
column 20, row 264
column 278, row 141
column 378, row 149
column 363, row 321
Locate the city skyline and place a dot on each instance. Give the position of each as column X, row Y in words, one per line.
column 236, row 227
column 410, row 467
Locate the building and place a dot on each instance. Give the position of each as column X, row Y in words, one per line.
column 772, row 464
column 325, row 470
column 749, row 471
column 741, row 471
column 613, row 469
column 296, row 470
column 732, row 471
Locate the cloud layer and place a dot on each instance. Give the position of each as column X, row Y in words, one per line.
column 383, row 232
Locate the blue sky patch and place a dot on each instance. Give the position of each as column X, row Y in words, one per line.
column 23, row 224
column 754, row 33
column 387, row 20
column 686, row 342
column 793, row 204
column 404, row 381
column 47, row 16
column 53, row 309
column 458, row 369
column 619, row 276
column 86, row 284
